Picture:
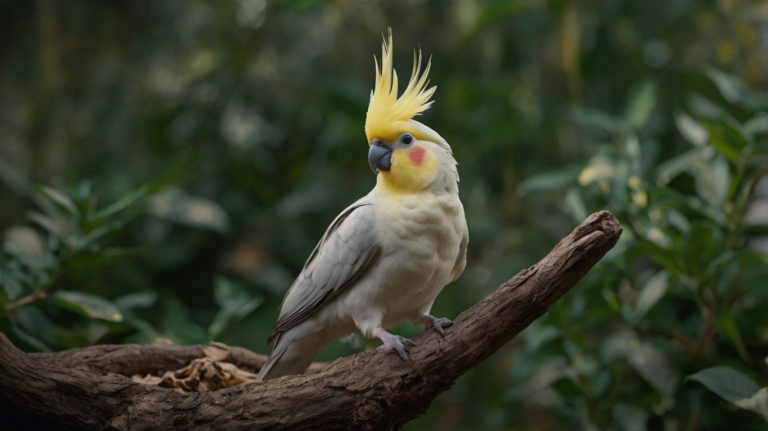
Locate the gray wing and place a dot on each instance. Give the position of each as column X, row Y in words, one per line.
column 342, row 255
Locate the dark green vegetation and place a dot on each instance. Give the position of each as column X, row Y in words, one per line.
column 167, row 166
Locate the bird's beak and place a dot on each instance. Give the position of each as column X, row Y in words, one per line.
column 379, row 156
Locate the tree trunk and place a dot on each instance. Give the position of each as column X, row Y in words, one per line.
column 88, row 388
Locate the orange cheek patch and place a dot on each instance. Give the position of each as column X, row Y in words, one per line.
column 416, row 155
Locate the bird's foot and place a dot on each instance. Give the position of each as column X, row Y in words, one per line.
column 430, row 321
column 394, row 342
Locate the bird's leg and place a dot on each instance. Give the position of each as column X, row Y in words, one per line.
column 393, row 342
column 430, row 321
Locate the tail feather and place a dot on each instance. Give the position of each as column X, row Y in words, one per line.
column 280, row 346
column 293, row 354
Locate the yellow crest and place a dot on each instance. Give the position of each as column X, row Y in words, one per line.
column 388, row 115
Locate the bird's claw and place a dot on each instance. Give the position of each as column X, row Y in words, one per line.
column 439, row 324
column 394, row 342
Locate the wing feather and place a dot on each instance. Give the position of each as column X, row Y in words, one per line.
column 347, row 249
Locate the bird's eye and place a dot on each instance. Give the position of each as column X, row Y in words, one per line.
column 407, row 139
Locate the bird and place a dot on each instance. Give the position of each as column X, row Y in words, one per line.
column 386, row 257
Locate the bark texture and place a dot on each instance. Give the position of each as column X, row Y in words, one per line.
column 88, row 388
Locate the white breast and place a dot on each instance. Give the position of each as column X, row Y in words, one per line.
column 420, row 236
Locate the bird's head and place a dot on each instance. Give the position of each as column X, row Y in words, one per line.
column 406, row 155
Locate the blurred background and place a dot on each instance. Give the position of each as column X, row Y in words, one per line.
column 166, row 167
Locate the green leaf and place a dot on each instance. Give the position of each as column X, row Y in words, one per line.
column 245, row 309
column 691, row 130
column 669, row 259
column 95, row 331
column 731, row 331
column 756, row 125
column 732, row 89
column 122, row 204
column 726, row 140
column 178, row 323
column 235, row 302
column 146, row 332
column 84, row 192
column 703, row 107
column 537, row 335
column 715, row 266
column 136, row 300
column 702, row 249
column 599, row 168
column 678, row 221
column 83, row 198
column 27, row 246
column 690, row 207
column 653, row 290
column 553, row 180
column 61, row 200
column 671, row 168
column 575, row 204
column 642, row 99
column 598, row 119
column 176, row 205
column 62, row 227
column 649, row 362
column 727, row 383
column 629, row 417
column 225, row 316
column 99, row 232
column 86, row 305
column 12, row 282
column 610, row 297
column 30, row 324
column 229, row 294
column 712, row 178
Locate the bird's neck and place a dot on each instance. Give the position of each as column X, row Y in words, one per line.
column 445, row 181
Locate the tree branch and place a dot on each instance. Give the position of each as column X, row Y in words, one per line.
column 87, row 388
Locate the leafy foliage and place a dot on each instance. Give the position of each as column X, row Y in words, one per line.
column 680, row 290
column 734, row 387
column 45, row 317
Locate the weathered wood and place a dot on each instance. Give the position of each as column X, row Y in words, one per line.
column 87, row 388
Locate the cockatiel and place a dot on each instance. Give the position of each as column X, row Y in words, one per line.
column 385, row 258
